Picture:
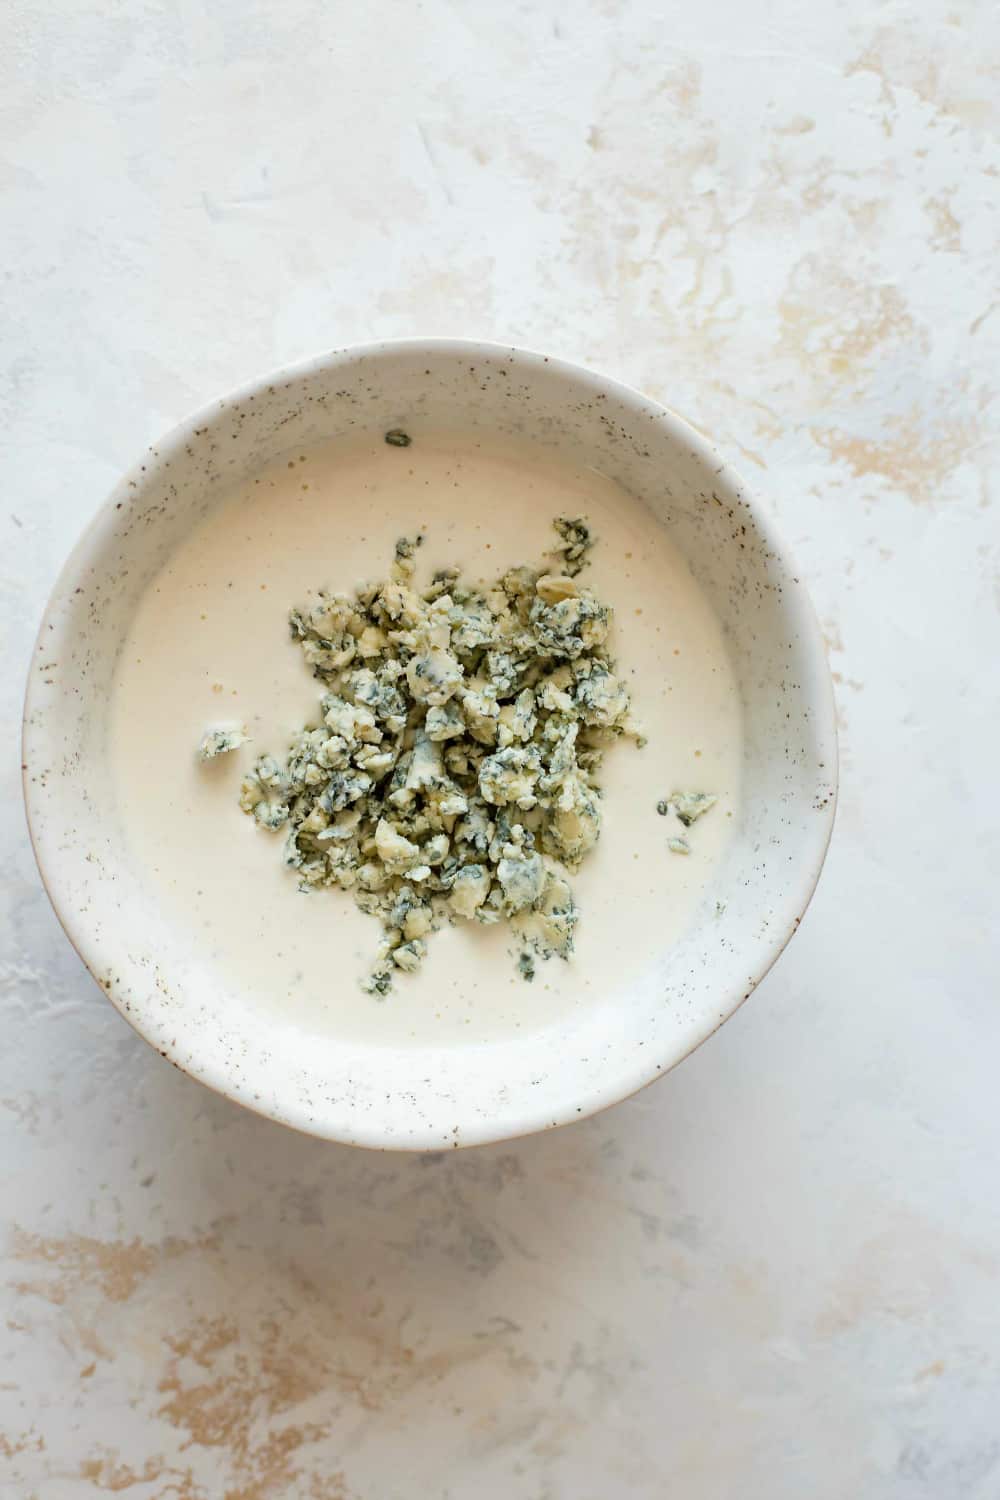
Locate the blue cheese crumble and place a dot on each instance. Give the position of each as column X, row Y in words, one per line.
column 451, row 772
column 690, row 806
column 221, row 741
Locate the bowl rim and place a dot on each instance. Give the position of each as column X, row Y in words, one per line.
column 98, row 952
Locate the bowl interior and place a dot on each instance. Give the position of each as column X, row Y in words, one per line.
column 430, row 1096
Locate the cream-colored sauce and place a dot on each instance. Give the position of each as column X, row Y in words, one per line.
column 210, row 644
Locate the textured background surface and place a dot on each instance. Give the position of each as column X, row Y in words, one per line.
column 777, row 1273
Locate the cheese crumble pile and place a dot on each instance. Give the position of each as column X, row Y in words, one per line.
column 451, row 774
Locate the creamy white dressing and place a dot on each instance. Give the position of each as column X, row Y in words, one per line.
column 209, row 645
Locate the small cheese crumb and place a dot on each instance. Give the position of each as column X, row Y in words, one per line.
column 221, row 741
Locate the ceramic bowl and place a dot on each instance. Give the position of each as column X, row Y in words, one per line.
column 427, row 1097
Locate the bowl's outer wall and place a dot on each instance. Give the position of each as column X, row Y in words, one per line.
column 430, row 1097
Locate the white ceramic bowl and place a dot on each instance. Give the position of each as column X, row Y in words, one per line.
column 432, row 1096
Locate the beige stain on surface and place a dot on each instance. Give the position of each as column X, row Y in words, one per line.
column 946, row 231
column 262, row 1384
column 789, row 188
column 914, row 457
column 906, row 1274
column 940, row 78
column 265, row 1392
column 115, row 1267
column 108, row 1474
column 25, row 1442
column 838, row 326
column 919, row 78
column 797, row 125
column 681, row 84
column 220, row 1385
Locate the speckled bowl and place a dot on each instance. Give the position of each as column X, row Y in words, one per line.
column 432, row 1096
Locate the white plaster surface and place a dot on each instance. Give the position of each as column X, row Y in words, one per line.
column 776, row 1274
